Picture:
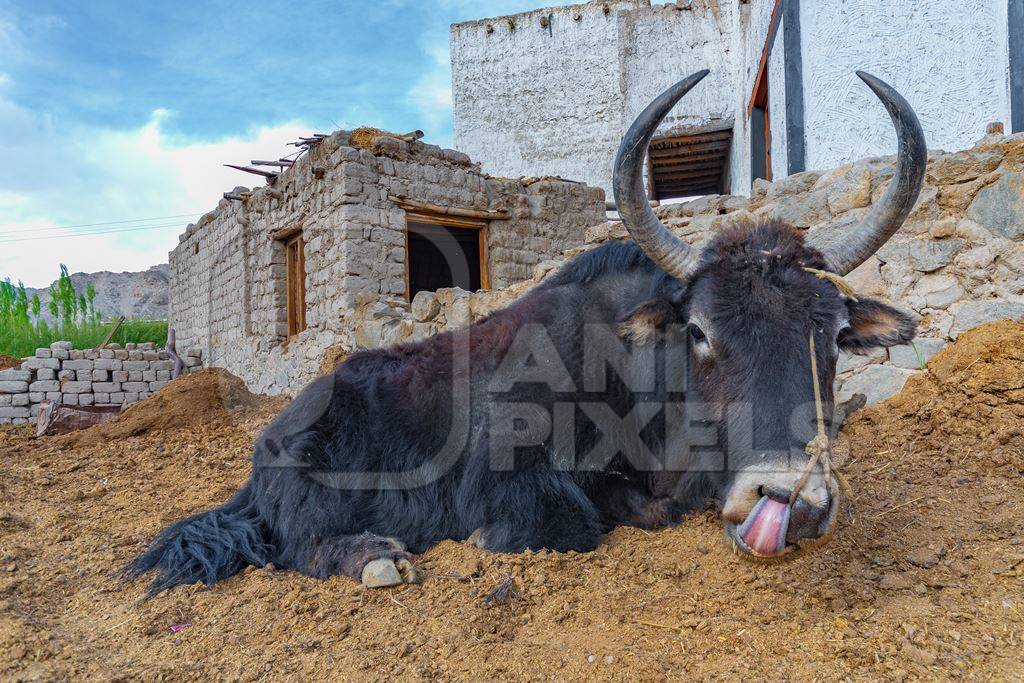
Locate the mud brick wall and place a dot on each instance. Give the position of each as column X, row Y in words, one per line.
column 108, row 376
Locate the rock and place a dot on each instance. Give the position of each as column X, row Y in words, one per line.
column 1000, row 206
column 15, row 375
column 760, row 187
column 876, row 382
column 938, row 291
column 925, row 557
column 894, row 582
column 927, row 255
column 803, row 210
column 962, row 167
column 943, row 228
column 13, row 387
column 914, row 355
column 849, row 190
column 381, row 574
column 793, row 184
column 854, row 361
column 866, row 279
column 918, row 655
column 970, row 314
column 425, row 306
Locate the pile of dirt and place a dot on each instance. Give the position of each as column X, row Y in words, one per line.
column 208, row 396
column 7, row 362
column 925, row 580
column 969, row 406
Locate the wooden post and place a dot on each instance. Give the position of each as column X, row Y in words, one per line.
column 110, row 335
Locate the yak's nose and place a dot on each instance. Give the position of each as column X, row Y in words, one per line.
column 807, row 521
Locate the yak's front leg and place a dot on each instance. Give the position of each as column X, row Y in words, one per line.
column 537, row 510
column 374, row 560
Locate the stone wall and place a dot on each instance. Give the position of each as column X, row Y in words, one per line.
column 957, row 262
column 346, row 197
column 108, row 376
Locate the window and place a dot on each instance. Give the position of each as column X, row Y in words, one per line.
column 295, row 269
column 445, row 251
column 689, row 165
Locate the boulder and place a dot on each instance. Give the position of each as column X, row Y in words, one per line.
column 1000, row 206
column 913, row 356
column 55, row 418
column 794, row 184
column 850, row 190
column 802, row 210
column 970, row 314
column 876, row 382
column 922, row 254
column 962, row 167
column 425, row 306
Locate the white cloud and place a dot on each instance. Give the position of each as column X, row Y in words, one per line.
column 56, row 176
column 431, row 96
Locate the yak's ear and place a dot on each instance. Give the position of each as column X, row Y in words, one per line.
column 874, row 324
column 641, row 325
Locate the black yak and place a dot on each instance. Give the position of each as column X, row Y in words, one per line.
column 640, row 381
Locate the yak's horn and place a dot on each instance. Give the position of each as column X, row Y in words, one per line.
column 886, row 217
column 673, row 255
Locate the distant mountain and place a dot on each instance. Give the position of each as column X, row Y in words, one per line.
column 133, row 295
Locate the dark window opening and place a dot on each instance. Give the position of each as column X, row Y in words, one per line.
column 689, row 165
column 439, row 256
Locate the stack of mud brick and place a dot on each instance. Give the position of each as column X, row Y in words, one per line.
column 109, row 376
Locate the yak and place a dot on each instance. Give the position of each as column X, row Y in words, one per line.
column 642, row 380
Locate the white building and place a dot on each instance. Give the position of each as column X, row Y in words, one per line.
column 550, row 92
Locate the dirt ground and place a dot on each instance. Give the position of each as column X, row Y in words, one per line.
column 926, row 579
column 7, row 362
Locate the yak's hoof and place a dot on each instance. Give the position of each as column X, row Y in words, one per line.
column 384, row 572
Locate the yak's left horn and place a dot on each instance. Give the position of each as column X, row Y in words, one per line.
column 673, row 255
column 886, row 217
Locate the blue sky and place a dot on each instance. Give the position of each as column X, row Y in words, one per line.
column 120, row 111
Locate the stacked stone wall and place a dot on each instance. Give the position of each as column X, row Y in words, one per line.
column 228, row 291
column 111, row 376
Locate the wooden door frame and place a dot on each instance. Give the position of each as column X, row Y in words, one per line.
column 296, row 314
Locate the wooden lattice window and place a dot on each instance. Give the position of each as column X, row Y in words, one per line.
column 295, row 268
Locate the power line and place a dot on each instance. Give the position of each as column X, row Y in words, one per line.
column 8, row 239
column 103, row 223
column 85, row 231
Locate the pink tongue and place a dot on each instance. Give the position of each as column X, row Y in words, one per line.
column 764, row 530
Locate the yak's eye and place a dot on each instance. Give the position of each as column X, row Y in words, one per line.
column 698, row 334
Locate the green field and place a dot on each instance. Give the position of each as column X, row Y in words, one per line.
column 22, row 341
column 74, row 318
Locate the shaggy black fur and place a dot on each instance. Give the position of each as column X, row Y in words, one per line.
column 521, row 485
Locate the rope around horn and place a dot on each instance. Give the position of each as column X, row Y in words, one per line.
column 820, row 447
column 842, row 285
